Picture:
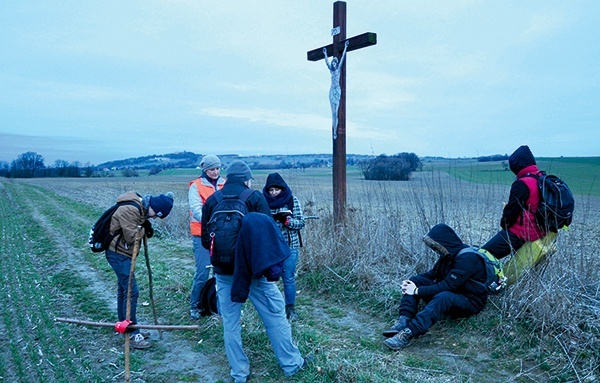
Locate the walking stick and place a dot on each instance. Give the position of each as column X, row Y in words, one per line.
column 145, row 239
column 136, row 250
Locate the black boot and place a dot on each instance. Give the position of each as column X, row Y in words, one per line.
column 398, row 326
column 290, row 313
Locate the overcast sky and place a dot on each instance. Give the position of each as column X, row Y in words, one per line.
column 94, row 81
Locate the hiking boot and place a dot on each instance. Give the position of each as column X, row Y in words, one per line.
column 400, row 340
column 400, row 324
column 145, row 334
column 137, row 341
column 290, row 313
column 194, row 313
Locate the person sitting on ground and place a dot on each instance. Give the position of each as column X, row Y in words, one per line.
column 199, row 191
column 454, row 287
column 518, row 217
column 127, row 221
column 287, row 213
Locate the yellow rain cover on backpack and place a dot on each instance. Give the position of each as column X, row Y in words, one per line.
column 529, row 255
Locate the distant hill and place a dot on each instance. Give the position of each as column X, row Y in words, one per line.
column 192, row 160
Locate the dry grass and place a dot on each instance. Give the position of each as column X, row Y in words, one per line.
column 549, row 321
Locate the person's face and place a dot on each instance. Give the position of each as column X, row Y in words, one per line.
column 274, row 191
column 151, row 212
column 213, row 173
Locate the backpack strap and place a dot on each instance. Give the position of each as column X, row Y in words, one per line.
column 119, row 233
column 245, row 195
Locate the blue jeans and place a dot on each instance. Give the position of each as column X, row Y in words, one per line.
column 289, row 277
column 121, row 265
column 202, row 259
column 268, row 302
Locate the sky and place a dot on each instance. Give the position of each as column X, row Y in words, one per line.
column 94, row 81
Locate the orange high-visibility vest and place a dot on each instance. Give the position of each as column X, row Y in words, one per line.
column 204, row 191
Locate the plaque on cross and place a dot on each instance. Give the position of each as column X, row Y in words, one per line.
column 337, row 98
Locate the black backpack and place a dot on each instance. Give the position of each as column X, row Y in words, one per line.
column 495, row 281
column 208, row 298
column 557, row 203
column 224, row 225
column 100, row 237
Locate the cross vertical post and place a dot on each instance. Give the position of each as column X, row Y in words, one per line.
column 339, row 144
column 340, row 46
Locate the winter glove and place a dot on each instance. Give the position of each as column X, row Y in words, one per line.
column 148, row 229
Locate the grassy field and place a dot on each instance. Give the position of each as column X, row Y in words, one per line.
column 545, row 328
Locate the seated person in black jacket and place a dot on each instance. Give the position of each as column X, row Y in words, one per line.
column 453, row 287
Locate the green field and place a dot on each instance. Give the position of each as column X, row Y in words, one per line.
column 582, row 174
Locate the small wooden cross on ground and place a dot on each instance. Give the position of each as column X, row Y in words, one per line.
column 126, row 325
column 340, row 46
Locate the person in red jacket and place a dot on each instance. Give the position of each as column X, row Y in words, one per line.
column 199, row 191
column 518, row 217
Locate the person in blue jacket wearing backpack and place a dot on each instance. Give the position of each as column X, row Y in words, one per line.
column 287, row 213
column 264, row 294
column 454, row 287
column 518, row 220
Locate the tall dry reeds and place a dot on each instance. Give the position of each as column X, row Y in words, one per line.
column 380, row 245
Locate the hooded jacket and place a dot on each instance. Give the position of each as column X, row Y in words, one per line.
column 260, row 251
column 285, row 202
column 518, row 215
column 461, row 274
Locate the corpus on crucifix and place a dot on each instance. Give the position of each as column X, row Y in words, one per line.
column 335, row 92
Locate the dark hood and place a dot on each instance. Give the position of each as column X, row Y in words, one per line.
column 446, row 237
column 520, row 159
column 275, row 179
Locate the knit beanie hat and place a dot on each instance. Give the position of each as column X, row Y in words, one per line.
column 162, row 204
column 240, row 170
column 210, row 162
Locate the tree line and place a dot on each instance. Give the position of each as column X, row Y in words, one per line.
column 31, row 164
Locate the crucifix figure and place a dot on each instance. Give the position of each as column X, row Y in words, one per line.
column 337, row 98
column 335, row 92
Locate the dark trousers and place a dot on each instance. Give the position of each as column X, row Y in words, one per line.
column 442, row 304
column 503, row 244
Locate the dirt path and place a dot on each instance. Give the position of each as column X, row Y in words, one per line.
column 172, row 355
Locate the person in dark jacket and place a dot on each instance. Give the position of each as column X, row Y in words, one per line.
column 264, row 294
column 260, row 251
column 453, row 287
column 287, row 212
column 518, row 217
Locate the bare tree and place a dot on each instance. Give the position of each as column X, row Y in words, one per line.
column 26, row 165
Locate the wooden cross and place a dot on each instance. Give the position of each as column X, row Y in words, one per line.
column 337, row 49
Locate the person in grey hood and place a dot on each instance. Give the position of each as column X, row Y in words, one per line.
column 453, row 287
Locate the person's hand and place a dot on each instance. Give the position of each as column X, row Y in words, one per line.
column 282, row 216
column 408, row 287
column 347, row 43
column 324, row 51
column 148, row 229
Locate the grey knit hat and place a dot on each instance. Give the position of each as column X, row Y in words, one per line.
column 239, row 169
column 210, row 162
